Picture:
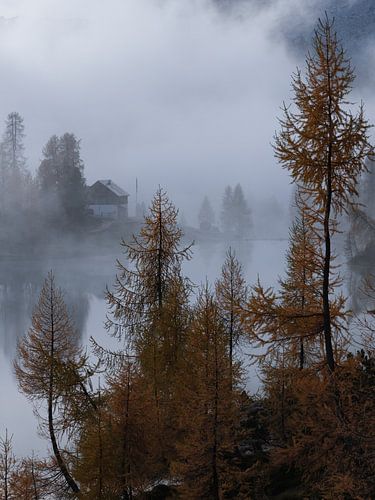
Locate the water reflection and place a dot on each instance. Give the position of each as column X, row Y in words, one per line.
column 20, row 284
column 84, row 281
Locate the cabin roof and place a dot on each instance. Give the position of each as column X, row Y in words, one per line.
column 109, row 184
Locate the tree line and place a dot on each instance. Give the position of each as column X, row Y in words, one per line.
column 168, row 414
column 56, row 195
column 235, row 217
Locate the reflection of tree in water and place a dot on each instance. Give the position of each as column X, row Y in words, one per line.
column 211, row 257
column 20, row 284
column 243, row 250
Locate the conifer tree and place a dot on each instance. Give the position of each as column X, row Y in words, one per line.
column 231, row 295
column 241, row 214
column 13, row 147
column 149, row 310
column 300, row 293
column 324, row 145
column 7, row 466
column 207, row 421
column 15, row 181
column 118, row 444
column 227, row 210
column 143, row 289
column 206, row 215
column 290, row 318
column 235, row 215
column 47, row 355
column 61, row 178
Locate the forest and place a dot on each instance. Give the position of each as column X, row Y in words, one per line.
column 169, row 414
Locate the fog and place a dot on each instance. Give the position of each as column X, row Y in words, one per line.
column 179, row 93
column 174, row 93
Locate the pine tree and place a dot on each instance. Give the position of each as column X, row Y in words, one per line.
column 324, row 146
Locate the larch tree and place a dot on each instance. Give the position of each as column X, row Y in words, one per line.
column 324, row 146
column 142, row 289
column 7, row 466
column 231, row 296
column 47, row 355
column 118, row 445
column 149, row 309
column 206, row 408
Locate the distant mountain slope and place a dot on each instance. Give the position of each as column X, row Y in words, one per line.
column 354, row 23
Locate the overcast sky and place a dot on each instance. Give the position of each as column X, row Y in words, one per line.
column 172, row 92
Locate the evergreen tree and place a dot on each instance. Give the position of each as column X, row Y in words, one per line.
column 206, row 215
column 12, row 144
column 15, row 180
column 241, row 214
column 72, row 187
column 61, row 178
column 235, row 215
column 324, row 146
column 227, row 210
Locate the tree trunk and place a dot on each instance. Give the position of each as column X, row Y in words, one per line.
column 60, row 461
column 327, row 237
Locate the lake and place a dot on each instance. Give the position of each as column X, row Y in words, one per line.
column 84, row 281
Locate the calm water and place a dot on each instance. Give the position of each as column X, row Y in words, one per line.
column 83, row 281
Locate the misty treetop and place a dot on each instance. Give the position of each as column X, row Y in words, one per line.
column 206, row 215
column 55, row 199
column 61, row 178
column 16, row 184
column 235, row 214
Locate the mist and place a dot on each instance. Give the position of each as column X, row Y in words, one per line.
column 183, row 94
column 179, row 94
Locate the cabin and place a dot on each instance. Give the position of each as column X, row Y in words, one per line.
column 107, row 200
